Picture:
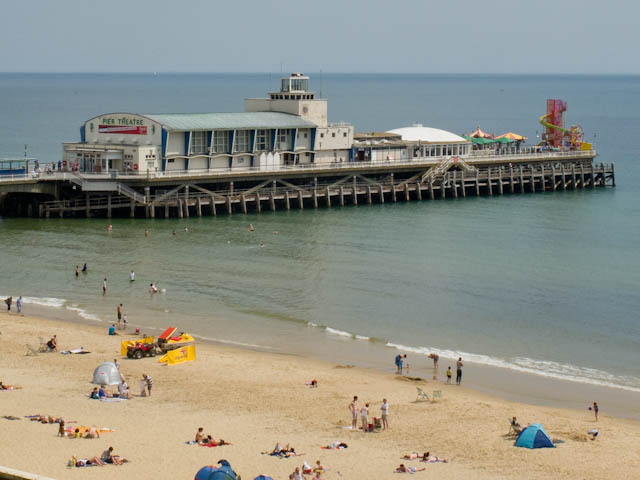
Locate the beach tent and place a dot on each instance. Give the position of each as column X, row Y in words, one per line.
column 480, row 134
column 534, row 436
column 106, row 374
column 223, row 472
column 262, row 477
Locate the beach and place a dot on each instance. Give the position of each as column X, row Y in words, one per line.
column 254, row 399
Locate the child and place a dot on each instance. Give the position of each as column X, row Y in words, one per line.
column 448, row 375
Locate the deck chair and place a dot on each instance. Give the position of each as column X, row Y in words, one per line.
column 422, row 395
column 436, row 394
column 31, row 350
column 514, row 428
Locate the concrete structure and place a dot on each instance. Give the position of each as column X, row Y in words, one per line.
column 288, row 128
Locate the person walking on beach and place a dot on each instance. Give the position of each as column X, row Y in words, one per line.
column 119, row 312
column 596, row 409
column 435, row 358
column 353, row 406
column 448, row 375
column 364, row 416
column 400, row 362
column 104, row 287
column 19, row 304
column 384, row 411
column 132, row 276
column 148, row 382
column 459, row 366
column 8, row 301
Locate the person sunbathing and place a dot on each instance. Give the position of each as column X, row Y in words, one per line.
column 432, row 459
column 412, row 455
column 408, row 469
column 86, row 462
column 211, row 442
column 92, row 433
column 9, row 387
column 109, row 457
column 45, row 419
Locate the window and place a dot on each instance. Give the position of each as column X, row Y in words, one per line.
column 333, row 134
column 221, row 141
column 344, row 134
column 199, row 142
column 242, row 141
column 283, row 138
column 322, row 135
column 299, row 84
column 262, row 140
column 306, row 134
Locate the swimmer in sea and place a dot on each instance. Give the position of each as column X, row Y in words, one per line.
column 251, row 227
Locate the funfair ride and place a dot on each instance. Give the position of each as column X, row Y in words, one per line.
column 556, row 136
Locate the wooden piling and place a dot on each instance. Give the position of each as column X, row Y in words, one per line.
column 393, row 193
column 553, row 177
column 455, row 184
column 287, row 203
column 564, row 177
column 300, row 200
column 431, row 194
column 328, row 199
column 229, row 207
column 199, row 207
column 132, row 209
column 582, row 175
column 152, row 210
column 489, row 182
column 543, row 179
column 243, row 203
column 512, row 187
column 272, row 202
column 381, row 190
column 354, row 199
column 341, row 196
column 573, row 176
column 166, row 210
column 314, row 196
column 532, row 180
column 418, row 192
column 463, row 188
column 407, row 197
column 180, row 209
column 87, row 205
column 521, row 179
column 258, row 204
column 477, row 183
column 369, row 194
column 213, row 206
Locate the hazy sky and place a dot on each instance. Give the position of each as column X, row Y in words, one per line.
column 450, row 36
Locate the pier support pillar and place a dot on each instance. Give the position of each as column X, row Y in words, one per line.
column 47, row 213
column 314, row 195
column 243, row 203
column 511, row 186
column 564, row 177
column 328, row 199
column 231, row 188
column 581, row 175
column 287, row 203
column 213, row 206
column 258, row 204
column 418, row 191
column 199, row 207
column 152, row 210
column 593, row 176
column 553, row 177
column 603, row 179
column 272, row 202
column 300, row 200
column 393, row 192
column 613, row 175
column 431, row 194
column 341, row 196
column 443, row 188
column 381, row 193
column 489, row 181
column 180, row 210
column 532, row 180
column 463, row 189
column 499, row 180
column 354, row 190
column 132, row 209
column 521, row 180
column 41, row 210
column 369, row 194
column 229, row 208
column 407, row 195
column 543, row 179
column 87, row 201
column 477, row 183
column 109, row 206
column 455, row 184
column 573, row 176
column 166, row 210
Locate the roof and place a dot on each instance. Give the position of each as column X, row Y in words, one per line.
column 418, row 133
column 229, row 121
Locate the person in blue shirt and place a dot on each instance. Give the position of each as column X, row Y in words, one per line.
column 102, row 393
column 112, row 330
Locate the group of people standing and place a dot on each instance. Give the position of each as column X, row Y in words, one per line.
column 363, row 413
column 401, row 365
column 9, row 302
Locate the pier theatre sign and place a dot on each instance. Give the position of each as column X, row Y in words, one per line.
column 121, row 125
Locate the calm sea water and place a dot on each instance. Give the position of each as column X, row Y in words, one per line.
column 544, row 283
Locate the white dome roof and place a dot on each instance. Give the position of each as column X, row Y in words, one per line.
column 418, row 133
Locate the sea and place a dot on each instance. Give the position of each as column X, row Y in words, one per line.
column 544, row 284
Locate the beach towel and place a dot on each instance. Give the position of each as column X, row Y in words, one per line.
column 112, row 399
column 211, row 446
column 80, row 351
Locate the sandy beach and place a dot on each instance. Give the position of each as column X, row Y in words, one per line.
column 255, row 399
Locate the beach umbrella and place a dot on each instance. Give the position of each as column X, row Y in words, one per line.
column 481, row 141
column 512, row 136
column 480, row 134
column 503, row 140
column 262, row 477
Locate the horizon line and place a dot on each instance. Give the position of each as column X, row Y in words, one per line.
column 170, row 72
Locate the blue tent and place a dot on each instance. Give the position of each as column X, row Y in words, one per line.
column 262, row 477
column 223, row 472
column 534, row 436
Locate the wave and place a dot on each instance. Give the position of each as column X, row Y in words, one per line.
column 44, row 301
column 231, row 342
column 84, row 314
column 342, row 333
column 544, row 368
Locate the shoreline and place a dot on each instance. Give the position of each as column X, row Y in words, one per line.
column 503, row 382
column 254, row 399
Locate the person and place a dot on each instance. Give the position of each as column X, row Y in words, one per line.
column 593, row 433
column 132, row 276
column 306, row 468
column 124, row 320
column 251, row 228
column 200, row 435
column 148, row 381
column 119, row 313
column 85, row 462
column 109, row 228
column 384, row 412
column 84, row 268
column 353, row 406
column 459, row 366
column 296, row 475
column 596, row 409
column 77, row 273
column 104, row 287
column 8, row 301
column 109, row 457
column 400, row 362
column 94, row 394
column 53, row 344
column 153, row 288
column 19, row 304
column 435, row 358
column 116, row 363
column 174, row 233
column 112, row 329
column 449, row 374
column 61, row 431
column 403, row 469
column 186, row 229
column 318, row 468
column 92, row 433
column 102, row 393
column 146, row 233
column 364, row 416
column 317, row 476
column 123, row 389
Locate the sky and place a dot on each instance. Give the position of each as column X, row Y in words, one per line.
column 413, row 36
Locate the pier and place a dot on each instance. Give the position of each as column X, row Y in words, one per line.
column 214, row 192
